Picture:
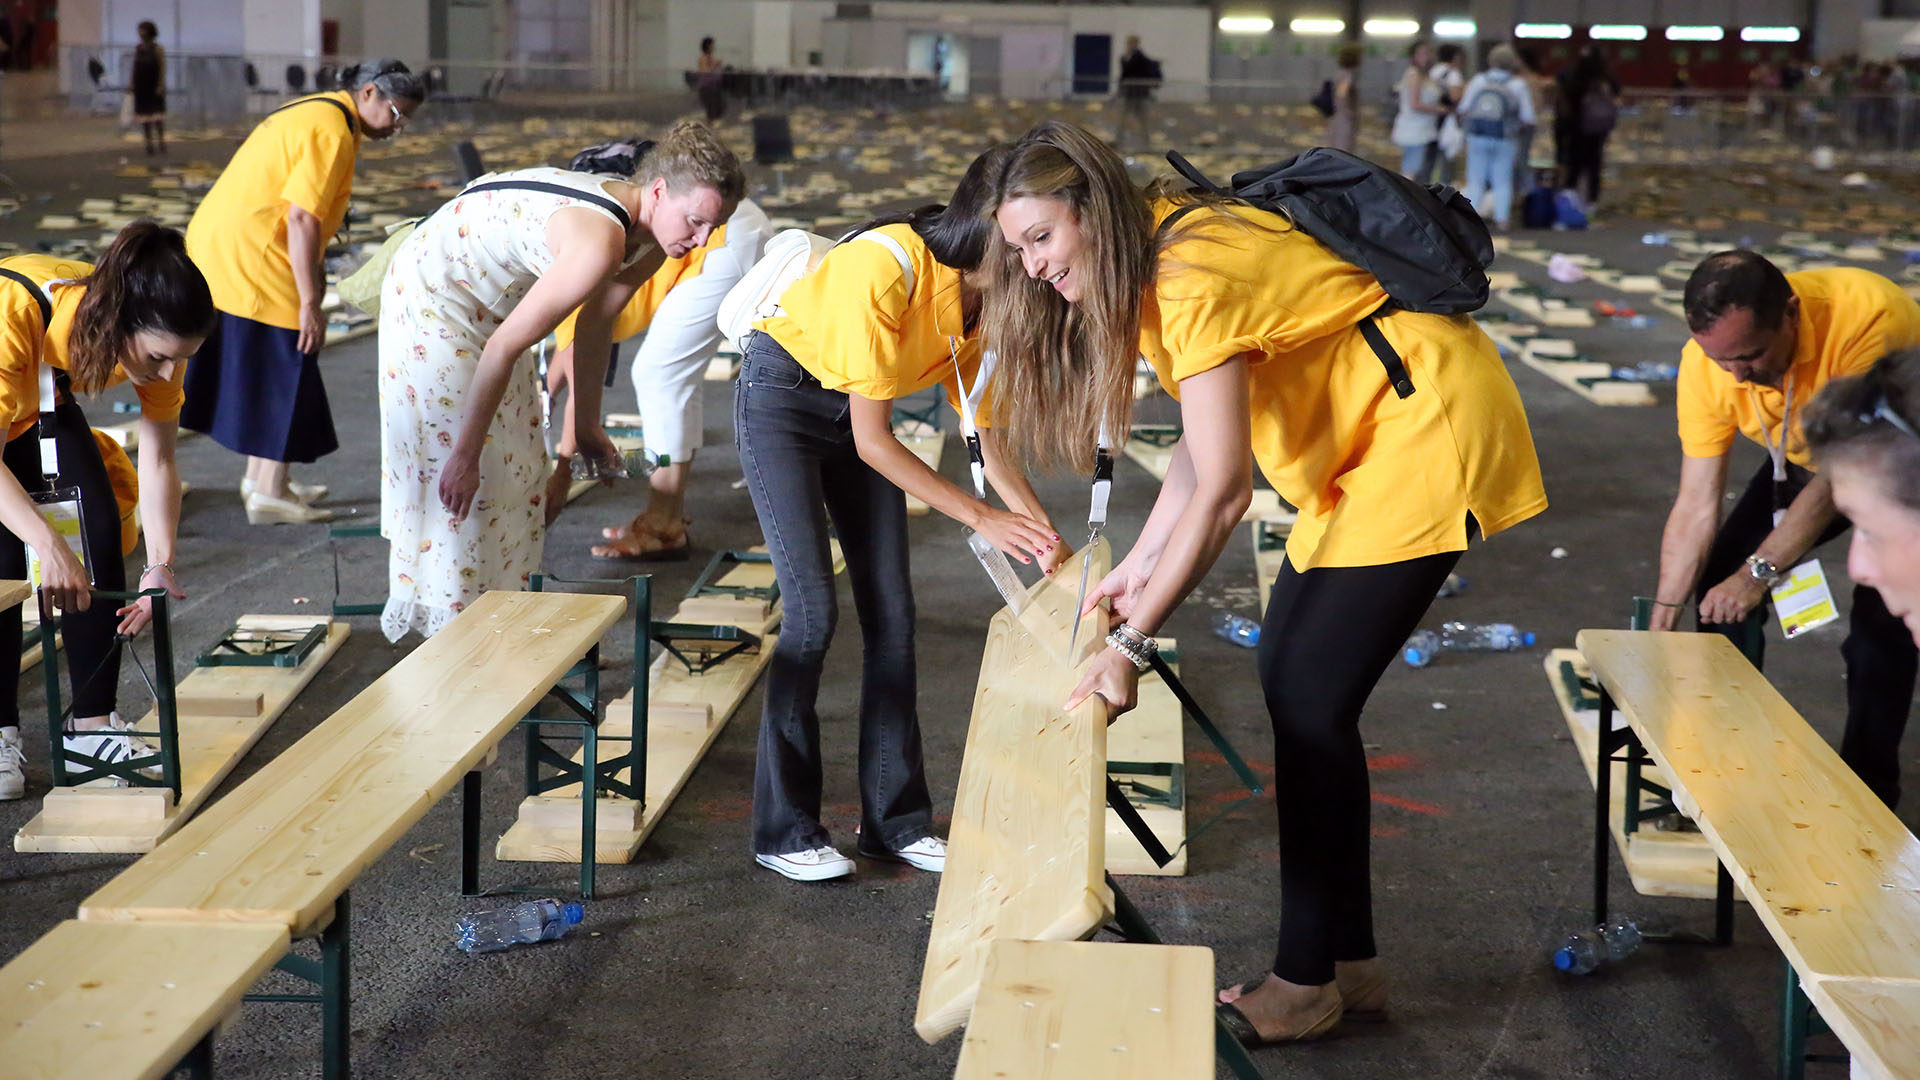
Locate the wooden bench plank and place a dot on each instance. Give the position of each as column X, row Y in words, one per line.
column 1026, row 851
column 1877, row 1019
column 1830, row 870
column 1066, row 1010
column 212, row 742
column 282, row 846
column 105, row 1001
column 13, row 593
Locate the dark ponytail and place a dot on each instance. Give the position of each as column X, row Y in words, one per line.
column 957, row 232
column 144, row 281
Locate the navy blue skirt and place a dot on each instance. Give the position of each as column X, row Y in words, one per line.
column 256, row 393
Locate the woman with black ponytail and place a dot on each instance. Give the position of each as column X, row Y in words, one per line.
column 261, row 236
column 133, row 317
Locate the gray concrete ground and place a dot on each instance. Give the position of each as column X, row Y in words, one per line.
column 695, row 963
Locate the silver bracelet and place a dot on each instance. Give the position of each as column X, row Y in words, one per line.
column 167, row 566
column 1141, row 656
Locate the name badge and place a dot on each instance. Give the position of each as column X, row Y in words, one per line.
column 61, row 509
column 1803, row 600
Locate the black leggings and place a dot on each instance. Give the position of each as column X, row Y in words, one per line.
column 1329, row 635
column 88, row 635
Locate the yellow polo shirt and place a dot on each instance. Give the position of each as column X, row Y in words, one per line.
column 634, row 319
column 301, row 154
column 1377, row 478
column 26, row 343
column 1849, row 319
column 854, row 326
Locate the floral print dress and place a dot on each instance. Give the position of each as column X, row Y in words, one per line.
column 449, row 286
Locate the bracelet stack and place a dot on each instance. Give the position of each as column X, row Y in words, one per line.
column 1134, row 645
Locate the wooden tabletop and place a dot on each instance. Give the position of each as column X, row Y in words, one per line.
column 1026, row 849
column 284, row 845
column 1831, row 871
column 124, row 1001
column 1068, row 1010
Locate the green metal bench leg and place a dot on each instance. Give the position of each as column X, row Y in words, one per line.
column 336, row 995
column 1793, row 1025
column 198, row 1064
column 589, row 800
column 470, row 833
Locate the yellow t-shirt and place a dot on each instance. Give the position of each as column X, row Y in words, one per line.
column 634, row 319
column 1849, row 319
column 853, row 325
column 26, row 343
column 1377, row 478
column 303, row 155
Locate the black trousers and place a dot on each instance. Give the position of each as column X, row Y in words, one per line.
column 801, row 465
column 1328, row 636
column 1585, row 155
column 93, row 665
column 1881, row 658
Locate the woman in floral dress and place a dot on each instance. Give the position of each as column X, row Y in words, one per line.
column 477, row 284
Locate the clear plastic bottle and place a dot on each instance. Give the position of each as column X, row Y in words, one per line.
column 1238, row 629
column 1464, row 637
column 1453, row 586
column 1648, row 371
column 522, row 924
column 1654, row 239
column 631, row 463
column 1590, row 950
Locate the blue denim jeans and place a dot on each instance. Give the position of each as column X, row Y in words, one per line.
column 801, row 465
column 1490, row 176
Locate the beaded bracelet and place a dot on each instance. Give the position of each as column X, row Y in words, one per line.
column 1132, row 644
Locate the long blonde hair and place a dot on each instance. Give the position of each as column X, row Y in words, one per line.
column 1065, row 370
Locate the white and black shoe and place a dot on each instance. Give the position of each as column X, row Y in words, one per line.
column 928, row 853
column 814, row 864
column 13, row 762
column 111, row 744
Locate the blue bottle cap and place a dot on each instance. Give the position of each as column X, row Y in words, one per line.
column 1563, row 959
column 1417, row 656
column 571, row 914
column 1526, row 637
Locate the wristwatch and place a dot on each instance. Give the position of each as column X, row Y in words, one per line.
column 1763, row 571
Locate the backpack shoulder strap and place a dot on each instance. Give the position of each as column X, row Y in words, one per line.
column 345, row 113
column 1187, row 169
column 602, row 201
column 34, row 290
column 899, row 254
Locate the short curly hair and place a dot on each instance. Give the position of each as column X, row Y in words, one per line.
column 690, row 156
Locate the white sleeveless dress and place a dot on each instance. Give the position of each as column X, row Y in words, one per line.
column 449, row 286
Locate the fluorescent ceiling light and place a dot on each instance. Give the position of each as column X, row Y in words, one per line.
column 1245, row 24
column 1454, row 28
column 1390, row 27
column 1542, row 30
column 1317, row 26
column 1769, row 33
column 1695, row 33
column 1617, row 32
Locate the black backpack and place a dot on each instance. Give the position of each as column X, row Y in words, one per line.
column 618, row 158
column 1425, row 245
column 1322, row 101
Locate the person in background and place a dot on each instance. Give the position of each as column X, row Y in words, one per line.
column 1343, row 127
column 149, row 88
column 1416, row 126
column 708, row 80
column 261, row 237
column 1494, row 108
column 1765, row 343
column 1864, row 431
column 1139, row 76
column 1541, row 88
column 133, row 317
column 1451, row 81
column 1588, row 107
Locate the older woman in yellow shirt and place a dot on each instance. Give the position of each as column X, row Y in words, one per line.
column 68, row 326
column 260, row 237
column 1257, row 329
column 813, row 417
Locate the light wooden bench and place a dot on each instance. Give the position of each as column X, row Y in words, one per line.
column 1830, row 871
column 126, row 1001
column 283, row 848
column 1068, row 1010
column 13, row 593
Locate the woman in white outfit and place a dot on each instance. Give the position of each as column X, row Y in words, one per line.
column 488, row 275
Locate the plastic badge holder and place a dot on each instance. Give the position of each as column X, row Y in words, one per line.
column 62, row 509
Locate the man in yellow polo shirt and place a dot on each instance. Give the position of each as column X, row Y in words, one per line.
column 1764, row 343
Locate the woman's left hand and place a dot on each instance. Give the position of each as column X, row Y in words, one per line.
column 1051, row 559
column 459, row 483
column 1113, row 678
column 135, row 616
column 597, row 446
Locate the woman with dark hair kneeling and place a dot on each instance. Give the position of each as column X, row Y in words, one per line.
column 134, row 317
column 1260, row 332
column 814, row 419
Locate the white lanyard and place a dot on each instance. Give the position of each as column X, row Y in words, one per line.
column 969, row 404
column 1776, row 452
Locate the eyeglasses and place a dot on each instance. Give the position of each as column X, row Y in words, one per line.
column 399, row 118
column 1883, row 411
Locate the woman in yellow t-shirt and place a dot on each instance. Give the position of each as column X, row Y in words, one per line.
column 813, row 416
column 135, row 316
column 261, row 236
column 1261, row 333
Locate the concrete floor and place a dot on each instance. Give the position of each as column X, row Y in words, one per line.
column 695, row 963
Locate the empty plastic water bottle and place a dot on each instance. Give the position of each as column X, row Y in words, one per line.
column 1464, row 637
column 1654, row 239
column 523, row 924
column 1648, row 371
column 630, row 463
column 1238, row 629
column 1589, row 950
column 1453, row 586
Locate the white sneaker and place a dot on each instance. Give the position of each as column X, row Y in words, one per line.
column 928, row 853
column 816, row 864
column 111, row 744
column 13, row 776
